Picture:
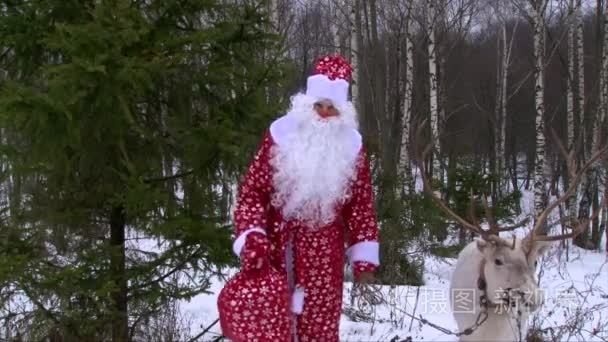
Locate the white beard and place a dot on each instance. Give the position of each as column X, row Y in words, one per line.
column 314, row 164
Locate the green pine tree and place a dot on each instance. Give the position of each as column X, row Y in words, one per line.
column 122, row 120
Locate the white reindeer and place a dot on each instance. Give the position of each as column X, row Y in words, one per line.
column 494, row 287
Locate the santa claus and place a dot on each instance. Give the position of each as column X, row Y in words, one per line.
column 304, row 205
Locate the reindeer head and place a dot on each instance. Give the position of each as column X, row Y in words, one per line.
column 507, row 271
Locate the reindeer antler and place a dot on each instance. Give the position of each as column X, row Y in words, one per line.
column 492, row 234
column 576, row 176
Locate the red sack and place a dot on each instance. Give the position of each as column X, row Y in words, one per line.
column 254, row 306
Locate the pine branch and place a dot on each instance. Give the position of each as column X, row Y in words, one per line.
column 168, row 178
column 168, row 274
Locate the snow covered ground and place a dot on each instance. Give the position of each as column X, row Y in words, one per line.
column 576, row 305
column 575, row 309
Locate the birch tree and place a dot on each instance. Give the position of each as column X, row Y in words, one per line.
column 570, row 203
column 500, row 128
column 498, row 106
column 506, row 61
column 604, row 71
column 588, row 184
column 580, row 49
column 570, row 80
column 378, row 119
column 404, row 160
column 334, row 25
column 603, row 104
column 604, row 90
column 538, row 19
column 355, row 39
column 433, row 88
column 599, row 122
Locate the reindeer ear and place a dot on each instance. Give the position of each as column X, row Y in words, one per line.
column 536, row 248
column 539, row 248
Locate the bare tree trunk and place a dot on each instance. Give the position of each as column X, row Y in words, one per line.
column 600, row 117
column 355, row 43
column 433, row 92
column 580, row 47
column 514, row 164
column 334, row 24
column 596, row 236
column 603, row 226
column 497, row 116
column 581, row 93
column 378, row 80
column 539, row 94
column 571, row 202
column 591, row 176
column 506, row 61
column 440, row 27
column 355, row 39
column 604, row 71
column 504, row 102
column 404, row 157
column 570, row 80
column 582, row 240
column 501, row 107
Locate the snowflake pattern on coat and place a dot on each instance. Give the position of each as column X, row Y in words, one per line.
column 317, row 255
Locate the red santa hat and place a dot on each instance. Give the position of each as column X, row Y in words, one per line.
column 255, row 307
column 330, row 79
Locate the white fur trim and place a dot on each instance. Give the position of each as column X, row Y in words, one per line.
column 239, row 243
column 297, row 300
column 364, row 251
column 357, row 140
column 321, row 87
column 281, row 128
column 285, row 125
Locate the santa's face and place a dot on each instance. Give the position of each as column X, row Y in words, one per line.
column 314, row 161
column 325, row 109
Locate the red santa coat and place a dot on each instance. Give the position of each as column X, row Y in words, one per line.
column 312, row 259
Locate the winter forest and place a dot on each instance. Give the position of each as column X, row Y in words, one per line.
column 126, row 126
